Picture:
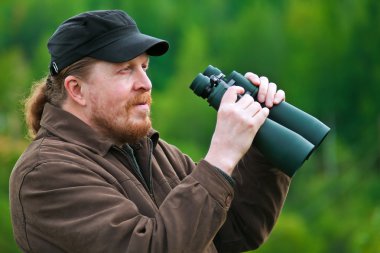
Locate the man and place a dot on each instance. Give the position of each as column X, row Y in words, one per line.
column 97, row 177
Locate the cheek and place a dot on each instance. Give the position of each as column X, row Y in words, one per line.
column 110, row 94
column 118, row 96
column 98, row 102
column 110, row 103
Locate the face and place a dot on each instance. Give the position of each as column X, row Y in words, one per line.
column 118, row 99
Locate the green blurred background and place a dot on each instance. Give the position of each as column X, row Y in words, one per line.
column 324, row 54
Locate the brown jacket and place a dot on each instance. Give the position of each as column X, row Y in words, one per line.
column 71, row 191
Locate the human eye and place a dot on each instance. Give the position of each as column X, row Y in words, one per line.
column 145, row 67
column 125, row 69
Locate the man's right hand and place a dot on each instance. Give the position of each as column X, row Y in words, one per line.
column 236, row 126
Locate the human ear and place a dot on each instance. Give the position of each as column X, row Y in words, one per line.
column 74, row 89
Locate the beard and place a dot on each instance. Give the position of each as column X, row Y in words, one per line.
column 125, row 125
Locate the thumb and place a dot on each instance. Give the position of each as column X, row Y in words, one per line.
column 231, row 94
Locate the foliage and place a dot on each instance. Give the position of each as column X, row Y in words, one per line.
column 325, row 54
column 334, row 213
column 10, row 149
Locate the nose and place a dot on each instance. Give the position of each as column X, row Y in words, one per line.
column 142, row 81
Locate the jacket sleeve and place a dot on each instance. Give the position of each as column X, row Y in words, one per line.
column 260, row 192
column 70, row 208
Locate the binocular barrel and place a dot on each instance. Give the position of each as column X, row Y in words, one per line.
column 288, row 136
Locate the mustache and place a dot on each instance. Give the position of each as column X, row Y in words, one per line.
column 144, row 98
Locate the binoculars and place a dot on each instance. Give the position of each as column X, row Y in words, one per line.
column 288, row 136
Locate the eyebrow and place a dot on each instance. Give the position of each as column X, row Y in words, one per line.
column 146, row 60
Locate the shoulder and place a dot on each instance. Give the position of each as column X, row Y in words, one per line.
column 50, row 157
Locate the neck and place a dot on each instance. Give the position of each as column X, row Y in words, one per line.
column 77, row 111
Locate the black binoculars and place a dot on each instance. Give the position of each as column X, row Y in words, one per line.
column 288, row 136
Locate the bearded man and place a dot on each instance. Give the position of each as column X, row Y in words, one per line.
column 98, row 178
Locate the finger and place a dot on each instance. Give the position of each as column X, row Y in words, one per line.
column 260, row 117
column 272, row 87
column 263, row 89
column 245, row 101
column 279, row 97
column 253, row 78
column 231, row 94
column 253, row 108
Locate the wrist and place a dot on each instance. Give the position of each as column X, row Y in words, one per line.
column 221, row 162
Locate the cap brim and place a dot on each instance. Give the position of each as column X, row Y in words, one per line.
column 129, row 47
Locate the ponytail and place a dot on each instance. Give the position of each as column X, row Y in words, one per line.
column 51, row 89
column 34, row 106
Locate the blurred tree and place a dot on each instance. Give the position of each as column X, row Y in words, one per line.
column 325, row 54
column 14, row 80
column 179, row 109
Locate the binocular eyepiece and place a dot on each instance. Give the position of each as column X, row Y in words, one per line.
column 288, row 136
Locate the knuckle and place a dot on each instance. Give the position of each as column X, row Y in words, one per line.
column 248, row 74
column 281, row 92
column 251, row 75
column 247, row 97
column 225, row 109
column 257, row 104
column 230, row 111
column 251, row 124
column 273, row 85
column 264, row 78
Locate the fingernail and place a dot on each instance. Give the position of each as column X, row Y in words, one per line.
column 266, row 111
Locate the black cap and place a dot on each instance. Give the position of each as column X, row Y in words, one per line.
column 109, row 35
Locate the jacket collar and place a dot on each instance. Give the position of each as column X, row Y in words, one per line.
column 71, row 129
